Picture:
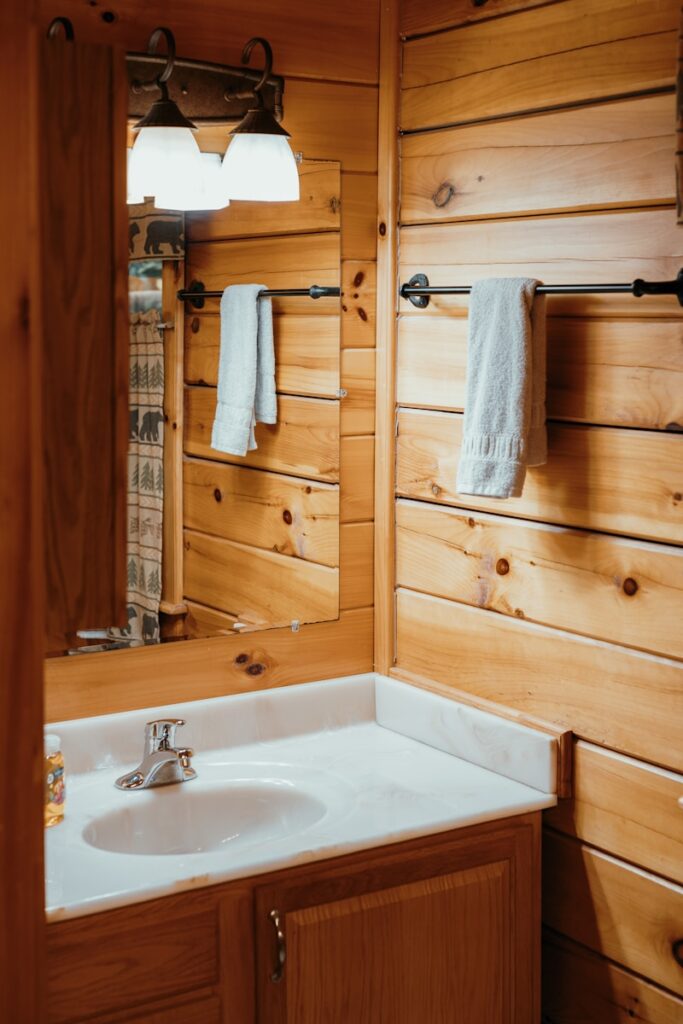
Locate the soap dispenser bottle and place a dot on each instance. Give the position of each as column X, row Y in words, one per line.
column 55, row 792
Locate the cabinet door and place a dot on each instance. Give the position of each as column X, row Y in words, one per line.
column 448, row 937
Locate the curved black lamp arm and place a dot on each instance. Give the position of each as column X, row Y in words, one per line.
column 267, row 71
column 57, row 23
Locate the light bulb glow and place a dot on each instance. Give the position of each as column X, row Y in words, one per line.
column 163, row 158
column 131, row 196
column 260, row 167
column 204, row 193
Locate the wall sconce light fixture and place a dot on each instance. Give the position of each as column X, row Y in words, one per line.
column 259, row 163
column 165, row 154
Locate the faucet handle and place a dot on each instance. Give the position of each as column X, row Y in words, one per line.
column 160, row 734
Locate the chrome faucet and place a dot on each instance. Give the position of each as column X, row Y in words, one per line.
column 163, row 763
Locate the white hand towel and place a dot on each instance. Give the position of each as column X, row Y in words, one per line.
column 246, row 369
column 504, row 428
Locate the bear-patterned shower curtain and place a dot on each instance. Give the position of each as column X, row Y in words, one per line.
column 145, row 477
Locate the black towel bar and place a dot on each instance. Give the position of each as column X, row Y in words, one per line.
column 196, row 293
column 418, row 289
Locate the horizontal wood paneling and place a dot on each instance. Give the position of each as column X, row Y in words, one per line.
column 358, row 216
column 357, row 470
column 358, row 303
column 102, row 684
column 257, row 585
column 356, row 579
column 557, row 55
column 626, row 914
column 318, row 209
column 304, row 442
column 626, row 807
column 618, row 372
column 285, row 261
column 358, row 380
column 621, row 481
column 306, row 353
column 266, row 510
column 565, row 250
column 582, row 988
column 417, row 17
column 614, row 589
column 608, row 155
column 603, row 693
column 317, row 39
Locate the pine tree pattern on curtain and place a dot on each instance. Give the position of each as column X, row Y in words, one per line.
column 145, row 477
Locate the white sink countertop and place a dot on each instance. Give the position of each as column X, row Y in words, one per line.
column 300, row 774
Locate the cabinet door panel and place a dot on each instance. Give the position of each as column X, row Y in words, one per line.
column 446, row 937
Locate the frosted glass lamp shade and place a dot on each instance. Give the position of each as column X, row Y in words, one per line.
column 261, row 168
column 131, row 197
column 163, row 158
column 207, row 192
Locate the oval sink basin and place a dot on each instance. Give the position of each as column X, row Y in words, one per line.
column 204, row 818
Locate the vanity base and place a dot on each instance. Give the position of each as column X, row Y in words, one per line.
column 437, row 929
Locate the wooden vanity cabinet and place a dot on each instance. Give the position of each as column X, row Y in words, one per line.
column 431, row 931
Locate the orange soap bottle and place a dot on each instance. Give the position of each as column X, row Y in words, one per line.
column 55, row 792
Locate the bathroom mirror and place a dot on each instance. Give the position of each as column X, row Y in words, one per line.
column 220, row 543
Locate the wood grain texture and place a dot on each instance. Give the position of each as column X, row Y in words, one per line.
column 283, row 261
column 358, row 304
column 387, row 272
column 610, row 588
column 418, row 17
column 614, row 372
column 622, row 481
column 580, row 986
column 265, row 510
column 324, row 44
column 318, row 209
column 258, row 586
column 607, row 155
column 602, row 692
column 123, row 967
column 306, row 353
column 356, row 562
column 172, row 561
column 22, row 619
column 358, row 216
column 356, row 499
column 417, row 936
column 628, row 915
column 304, row 442
column 645, row 829
column 85, row 351
column 564, row 250
column 207, row 668
column 557, row 55
column 358, row 380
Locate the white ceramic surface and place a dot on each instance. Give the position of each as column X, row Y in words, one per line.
column 285, row 776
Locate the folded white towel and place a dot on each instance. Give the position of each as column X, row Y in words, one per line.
column 246, row 369
column 504, row 428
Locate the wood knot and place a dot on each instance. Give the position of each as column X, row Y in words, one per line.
column 287, row 516
column 362, row 314
column 241, row 659
column 443, row 195
column 629, row 586
column 678, row 496
column 677, row 950
column 256, row 669
column 194, row 326
column 217, row 494
column 471, row 523
column 358, row 279
column 436, row 490
column 382, row 229
column 502, row 567
column 335, row 204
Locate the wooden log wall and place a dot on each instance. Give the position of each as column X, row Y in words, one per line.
column 331, row 91
column 540, row 140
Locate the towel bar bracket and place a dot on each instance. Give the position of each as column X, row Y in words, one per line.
column 418, row 289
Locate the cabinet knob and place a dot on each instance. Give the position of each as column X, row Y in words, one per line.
column 277, row 974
